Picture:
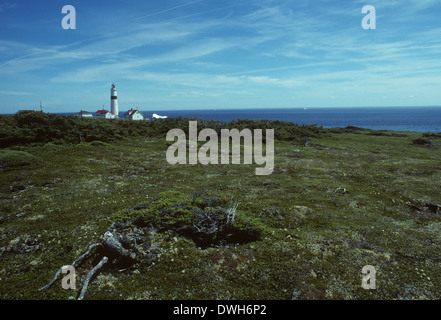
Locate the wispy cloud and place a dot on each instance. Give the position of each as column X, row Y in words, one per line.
column 206, row 49
column 397, row 4
column 6, row 6
column 167, row 10
column 15, row 93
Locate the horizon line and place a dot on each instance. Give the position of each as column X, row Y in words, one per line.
column 238, row 108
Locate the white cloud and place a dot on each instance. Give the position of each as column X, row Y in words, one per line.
column 15, row 93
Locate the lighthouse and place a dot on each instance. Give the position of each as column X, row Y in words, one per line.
column 113, row 101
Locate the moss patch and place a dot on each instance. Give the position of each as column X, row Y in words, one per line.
column 205, row 219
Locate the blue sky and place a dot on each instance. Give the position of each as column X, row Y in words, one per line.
column 202, row 54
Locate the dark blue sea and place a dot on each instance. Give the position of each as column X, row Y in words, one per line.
column 420, row 119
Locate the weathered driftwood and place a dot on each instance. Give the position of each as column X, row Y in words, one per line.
column 90, row 275
column 110, row 248
column 124, row 242
column 74, row 264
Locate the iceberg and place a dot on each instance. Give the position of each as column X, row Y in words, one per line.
column 155, row 116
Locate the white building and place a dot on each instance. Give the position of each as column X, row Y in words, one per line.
column 133, row 115
column 103, row 114
column 84, row 114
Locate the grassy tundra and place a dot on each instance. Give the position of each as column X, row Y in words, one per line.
column 338, row 199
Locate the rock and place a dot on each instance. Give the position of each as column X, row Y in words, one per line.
column 306, row 141
column 428, row 207
column 35, row 217
column 22, row 245
column 17, row 188
column 31, row 241
column 35, row 262
column 434, row 207
column 296, row 294
column 421, row 141
column 301, row 211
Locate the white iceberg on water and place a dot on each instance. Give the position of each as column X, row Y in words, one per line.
column 155, row 116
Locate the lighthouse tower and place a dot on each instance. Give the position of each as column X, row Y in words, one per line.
column 113, row 101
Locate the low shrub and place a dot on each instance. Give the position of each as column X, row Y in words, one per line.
column 13, row 158
column 206, row 219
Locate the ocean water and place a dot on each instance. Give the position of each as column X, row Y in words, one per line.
column 420, row 119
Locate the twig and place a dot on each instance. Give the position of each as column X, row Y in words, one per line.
column 77, row 261
column 90, row 275
column 86, row 254
column 231, row 212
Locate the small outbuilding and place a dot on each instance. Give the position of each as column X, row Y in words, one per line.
column 104, row 114
column 133, row 114
column 84, row 114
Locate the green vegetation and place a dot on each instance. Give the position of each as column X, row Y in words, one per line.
column 28, row 127
column 12, row 158
column 338, row 199
column 205, row 219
